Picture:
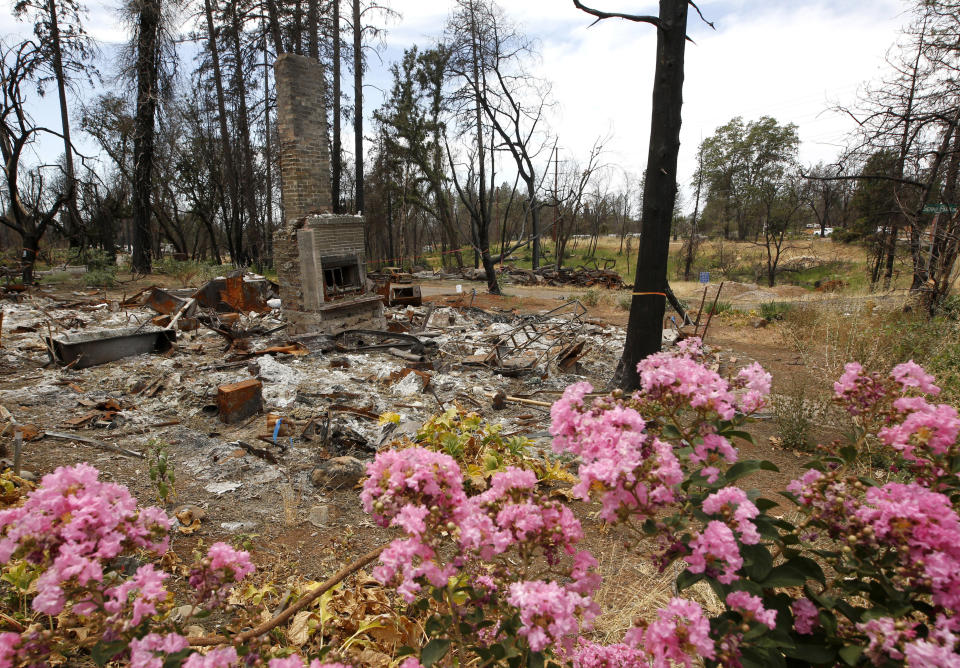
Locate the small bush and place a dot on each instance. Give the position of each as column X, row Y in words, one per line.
column 624, row 303
column 100, row 278
column 771, row 311
column 794, row 414
column 590, row 298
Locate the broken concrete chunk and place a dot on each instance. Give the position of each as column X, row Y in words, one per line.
column 238, row 401
column 219, row 488
column 338, row 473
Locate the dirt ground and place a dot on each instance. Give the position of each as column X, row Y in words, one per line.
column 269, row 502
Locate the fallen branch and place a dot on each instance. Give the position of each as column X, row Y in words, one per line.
column 94, row 442
column 330, row 583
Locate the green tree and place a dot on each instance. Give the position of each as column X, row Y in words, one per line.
column 738, row 162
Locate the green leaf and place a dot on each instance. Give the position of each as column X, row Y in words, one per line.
column 686, row 579
column 535, row 660
column 758, row 562
column 103, row 652
column 769, row 466
column 765, row 504
column 741, row 469
column 744, row 435
column 851, row 654
column 813, row 654
column 784, row 575
column 809, row 568
column 433, row 651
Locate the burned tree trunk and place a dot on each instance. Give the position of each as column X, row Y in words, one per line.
column 148, row 38
column 644, row 328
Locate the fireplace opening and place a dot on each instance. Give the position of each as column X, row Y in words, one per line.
column 341, row 276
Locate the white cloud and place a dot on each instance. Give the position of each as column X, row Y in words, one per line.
column 791, row 61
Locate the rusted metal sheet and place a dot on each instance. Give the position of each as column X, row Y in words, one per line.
column 80, row 351
column 235, row 294
column 166, row 303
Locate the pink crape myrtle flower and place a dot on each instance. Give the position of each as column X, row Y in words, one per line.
column 409, row 662
column 550, row 613
column 756, row 380
column 70, row 525
column 421, row 492
column 938, row 650
column 683, row 381
column 9, row 649
column 751, row 607
column 732, row 503
column 413, row 476
column 884, row 640
column 680, row 634
column 713, row 449
column 912, row 375
column 215, row 575
column 592, row 655
column 803, row 487
column 859, row 392
column 637, row 474
column 151, row 650
column 715, row 552
column 931, row 427
column 926, row 523
column 147, row 582
column 805, row 616
column 218, row 658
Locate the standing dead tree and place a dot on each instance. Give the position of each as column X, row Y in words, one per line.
column 30, row 205
column 644, row 327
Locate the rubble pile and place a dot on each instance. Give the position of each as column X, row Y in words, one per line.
column 255, row 420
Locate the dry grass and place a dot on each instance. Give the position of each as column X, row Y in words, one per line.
column 633, row 588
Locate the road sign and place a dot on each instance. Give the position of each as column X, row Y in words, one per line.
column 939, row 208
column 704, row 276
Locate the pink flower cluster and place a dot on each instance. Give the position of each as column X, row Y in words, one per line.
column 680, row 634
column 421, row 492
column 732, row 504
column 757, row 382
column 805, row 615
column 511, row 513
column 938, row 650
column 681, row 381
column 150, row 651
column 712, row 450
column 885, row 640
column 911, row 375
column 591, row 655
column 859, row 392
column 147, row 582
column 70, row 525
column 638, row 474
column 924, row 522
column 549, row 612
column 716, row 553
column 751, row 608
column 10, row 649
column 933, row 429
column 215, row 575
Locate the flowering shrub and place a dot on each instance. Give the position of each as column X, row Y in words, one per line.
column 869, row 573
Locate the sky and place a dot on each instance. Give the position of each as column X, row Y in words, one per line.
column 794, row 60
